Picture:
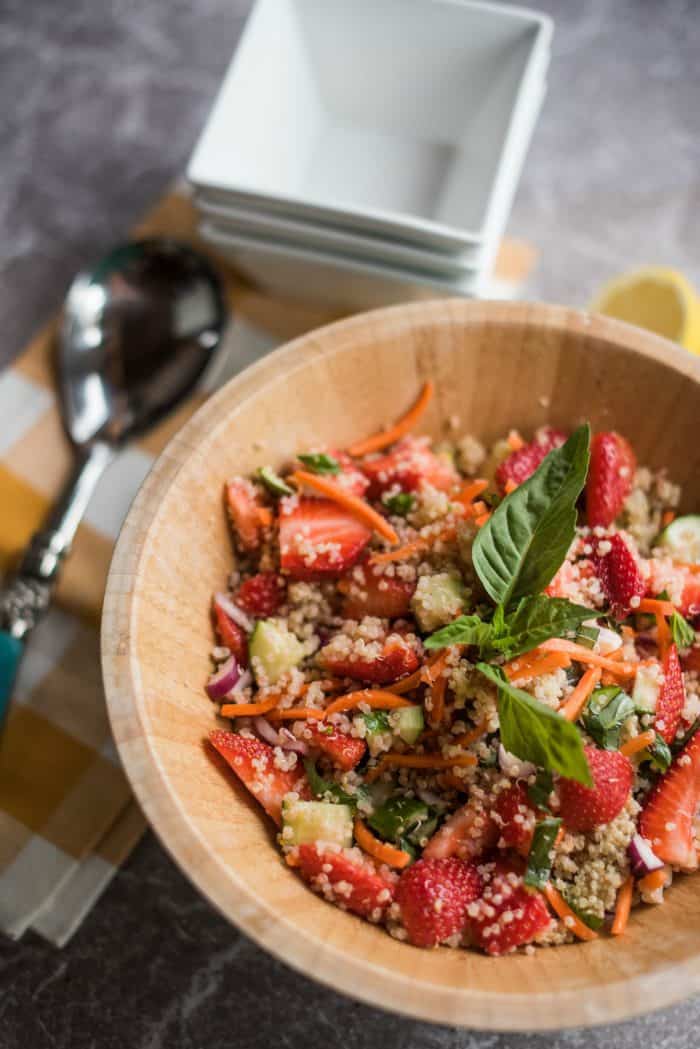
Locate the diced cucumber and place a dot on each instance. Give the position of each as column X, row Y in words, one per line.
column 274, row 650
column 646, row 688
column 682, row 538
column 312, row 821
column 408, row 723
column 438, row 599
column 399, row 817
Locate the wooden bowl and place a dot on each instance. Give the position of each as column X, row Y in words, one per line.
column 495, row 367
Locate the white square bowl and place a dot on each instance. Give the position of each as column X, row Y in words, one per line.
column 388, row 116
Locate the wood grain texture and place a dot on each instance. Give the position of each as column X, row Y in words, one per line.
column 496, row 366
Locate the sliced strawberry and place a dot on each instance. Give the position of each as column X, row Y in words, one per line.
column 691, row 659
column 410, row 464
column 350, row 476
column 243, row 505
column 690, row 598
column 396, row 659
column 368, row 592
column 516, row 818
column 619, row 575
column 522, row 464
column 669, row 812
column 571, row 581
column 671, row 701
column 343, row 750
column 467, row 833
column 433, row 896
column 583, row 808
column 348, row 879
column 610, row 478
column 507, row 915
column 318, row 539
column 261, row 595
column 253, row 762
column 230, row 634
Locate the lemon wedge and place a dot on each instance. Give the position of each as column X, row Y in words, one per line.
column 656, row 298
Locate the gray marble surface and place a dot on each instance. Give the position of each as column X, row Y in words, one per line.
column 102, row 102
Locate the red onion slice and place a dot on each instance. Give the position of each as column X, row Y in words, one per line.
column 279, row 738
column 224, row 602
column 513, row 766
column 643, row 860
column 223, row 680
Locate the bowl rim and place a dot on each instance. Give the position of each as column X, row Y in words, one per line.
column 361, row 979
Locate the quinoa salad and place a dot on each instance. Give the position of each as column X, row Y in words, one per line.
column 464, row 681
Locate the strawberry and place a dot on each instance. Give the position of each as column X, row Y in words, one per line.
column 507, row 914
column 691, row 659
column 610, row 478
column 396, row 659
column 244, row 507
column 318, row 539
column 410, row 464
column 368, row 592
column 348, row 879
column 671, row 701
column 690, row 598
column 231, row 635
column 467, row 833
column 350, row 476
column 515, row 817
column 583, row 808
column 669, row 812
column 619, row 576
column 253, row 762
column 522, row 464
column 343, row 750
column 433, row 896
column 261, row 595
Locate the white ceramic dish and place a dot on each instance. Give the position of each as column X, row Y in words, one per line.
column 391, row 117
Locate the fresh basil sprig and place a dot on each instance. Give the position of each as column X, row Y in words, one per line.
column 519, row 549
column 329, row 791
column 659, row 754
column 535, row 732
column 320, row 463
column 681, row 631
column 539, row 860
column 606, row 712
column 540, row 791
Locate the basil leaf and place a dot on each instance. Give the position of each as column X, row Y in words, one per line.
column 539, row 860
column 536, row 619
column 274, row 482
column 682, row 631
column 402, row 503
column 605, row 714
column 659, row 754
column 465, row 630
column 539, row 791
column 523, row 543
column 329, row 791
column 536, row 733
column 399, row 818
column 320, row 463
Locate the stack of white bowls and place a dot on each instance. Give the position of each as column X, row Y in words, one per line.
column 362, row 152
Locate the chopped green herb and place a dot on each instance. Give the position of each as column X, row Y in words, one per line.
column 539, row 861
column 659, row 753
column 401, row 818
column 605, row 714
column 274, row 482
column 539, row 791
column 681, row 630
column 320, row 463
column 329, row 791
column 376, row 721
column 401, row 504
column 465, row 630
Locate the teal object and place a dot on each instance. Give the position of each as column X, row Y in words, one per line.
column 10, row 654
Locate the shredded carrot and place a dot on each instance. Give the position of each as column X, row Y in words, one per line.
column 434, row 667
column 265, row 516
column 416, row 546
column 478, row 508
column 380, row 850
column 437, row 700
column 663, row 635
column 692, row 566
column 352, row 503
column 668, row 516
column 399, row 429
column 481, row 520
column 241, row 710
column 572, row 709
column 373, row 697
column 571, row 920
column 294, row 713
column 511, row 485
column 628, row 633
column 623, row 907
column 421, row 676
column 473, row 735
column 515, row 441
column 522, row 669
column 655, row 607
column 471, row 491
column 581, row 654
column 654, row 880
column 420, row 761
column 448, row 779
column 637, row 743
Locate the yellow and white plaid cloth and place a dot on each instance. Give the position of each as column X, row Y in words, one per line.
column 67, row 816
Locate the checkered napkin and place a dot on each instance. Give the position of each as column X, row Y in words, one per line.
column 67, row 816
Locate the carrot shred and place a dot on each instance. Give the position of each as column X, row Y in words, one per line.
column 432, row 670
column 581, row 654
column 386, row 437
column 437, row 700
column 416, row 546
column 623, row 907
column 667, row 517
column 352, row 503
column 663, row 635
column 377, row 698
column 420, row 761
column 473, row 735
column 422, row 676
column 522, row 669
column 637, row 743
column 294, row 713
column 515, row 441
column 654, row 880
column 572, row 921
column 265, row 516
column 572, row 709
column 511, row 485
column 481, row 520
column 471, row 491
column 241, row 710
column 379, row 850
column 655, row 607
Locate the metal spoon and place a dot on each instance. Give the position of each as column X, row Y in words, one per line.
column 138, row 331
